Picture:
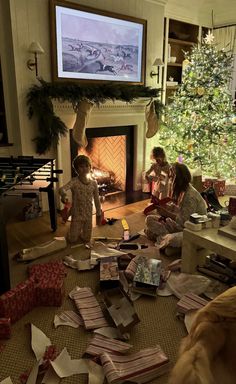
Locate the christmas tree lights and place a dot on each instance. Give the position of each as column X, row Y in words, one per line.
column 199, row 120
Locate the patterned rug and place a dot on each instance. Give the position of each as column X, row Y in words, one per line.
column 158, row 325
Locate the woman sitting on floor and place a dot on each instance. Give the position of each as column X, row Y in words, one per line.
column 186, row 201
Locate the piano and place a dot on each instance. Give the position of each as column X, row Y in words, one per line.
column 23, row 177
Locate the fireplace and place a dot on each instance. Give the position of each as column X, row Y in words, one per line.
column 111, row 120
column 111, row 152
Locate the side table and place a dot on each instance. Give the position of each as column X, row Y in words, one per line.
column 208, row 239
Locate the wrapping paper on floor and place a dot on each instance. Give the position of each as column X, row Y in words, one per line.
column 18, row 301
column 5, row 328
column 69, row 318
column 101, row 344
column 190, row 302
column 89, row 308
column 140, row 367
column 40, row 250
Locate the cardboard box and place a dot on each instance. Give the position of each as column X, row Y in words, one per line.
column 109, row 272
column 120, row 309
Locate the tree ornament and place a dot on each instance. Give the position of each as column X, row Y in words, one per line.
column 209, row 38
column 200, row 91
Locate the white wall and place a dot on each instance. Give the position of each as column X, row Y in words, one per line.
column 29, row 21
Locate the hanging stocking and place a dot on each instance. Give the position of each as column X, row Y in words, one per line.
column 83, row 111
column 151, row 120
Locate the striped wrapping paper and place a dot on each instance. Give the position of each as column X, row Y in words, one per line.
column 140, row 367
column 71, row 316
column 190, row 302
column 101, row 344
column 132, row 267
column 89, row 309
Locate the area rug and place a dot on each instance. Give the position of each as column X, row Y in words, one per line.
column 159, row 323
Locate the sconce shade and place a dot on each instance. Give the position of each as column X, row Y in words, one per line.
column 158, row 63
column 35, row 47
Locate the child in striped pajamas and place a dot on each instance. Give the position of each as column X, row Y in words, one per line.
column 84, row 192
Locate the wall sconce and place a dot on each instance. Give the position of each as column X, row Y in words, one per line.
column 157, row 63
column 36, row 49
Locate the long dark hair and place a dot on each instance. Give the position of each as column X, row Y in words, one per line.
column 182, row 179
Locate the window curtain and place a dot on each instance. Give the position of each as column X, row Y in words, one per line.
column 226, row 38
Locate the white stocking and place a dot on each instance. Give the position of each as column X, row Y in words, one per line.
column 151, row 120
column 83, row 111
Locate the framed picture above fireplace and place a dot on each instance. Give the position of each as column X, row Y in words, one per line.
column 92, row 45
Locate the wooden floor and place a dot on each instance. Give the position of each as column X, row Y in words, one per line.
column 24, row 234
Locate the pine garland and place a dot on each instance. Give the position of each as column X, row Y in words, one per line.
column 51, row 127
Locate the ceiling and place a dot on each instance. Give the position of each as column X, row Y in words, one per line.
column 224, row 11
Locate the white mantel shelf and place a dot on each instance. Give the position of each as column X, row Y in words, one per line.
column 117, row 106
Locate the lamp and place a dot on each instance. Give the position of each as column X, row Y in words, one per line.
column 36, row 49
column 157, row 63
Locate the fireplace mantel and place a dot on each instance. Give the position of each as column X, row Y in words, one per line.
column 108, row 114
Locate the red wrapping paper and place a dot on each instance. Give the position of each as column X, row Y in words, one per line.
column 18, row 301
column 5, row 328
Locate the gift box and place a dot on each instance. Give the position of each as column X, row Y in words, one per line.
column 18, row 301
column 230, row 189
column 109, row 273
column 50, row 291
column 217, row 184
column 53, row 269
column 5, row 328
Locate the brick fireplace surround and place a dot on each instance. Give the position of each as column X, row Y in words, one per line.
column 108, row 114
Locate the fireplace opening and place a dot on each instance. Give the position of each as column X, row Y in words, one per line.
column 111, row 150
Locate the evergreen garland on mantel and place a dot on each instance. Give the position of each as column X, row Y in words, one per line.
column 51, row 127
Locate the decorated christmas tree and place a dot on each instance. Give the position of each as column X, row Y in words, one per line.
column 199, row 130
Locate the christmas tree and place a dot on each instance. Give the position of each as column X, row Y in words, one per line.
column 199, row 129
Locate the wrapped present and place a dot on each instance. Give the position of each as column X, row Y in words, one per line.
column 18, row 301
column 217, row 184
column 147, row 276
column 5, row 328
column 101, row 344
column 53, row 269
column 139, row 367
column 230, row 189
column 50, row 292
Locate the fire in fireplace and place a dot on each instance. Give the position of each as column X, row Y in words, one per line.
column 111, row 152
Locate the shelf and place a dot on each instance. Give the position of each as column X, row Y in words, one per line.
column 180, row 42
column 174, row 64
column 170, row 87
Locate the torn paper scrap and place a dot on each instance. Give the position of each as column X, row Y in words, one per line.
column 189, row 319
column 33, row 374
column 64, row 366
column 69, row 318
column 112, row 333
column 39, row 342
column 100, row 344
column 51, row 377
column 101, row 250
column 6, row 381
